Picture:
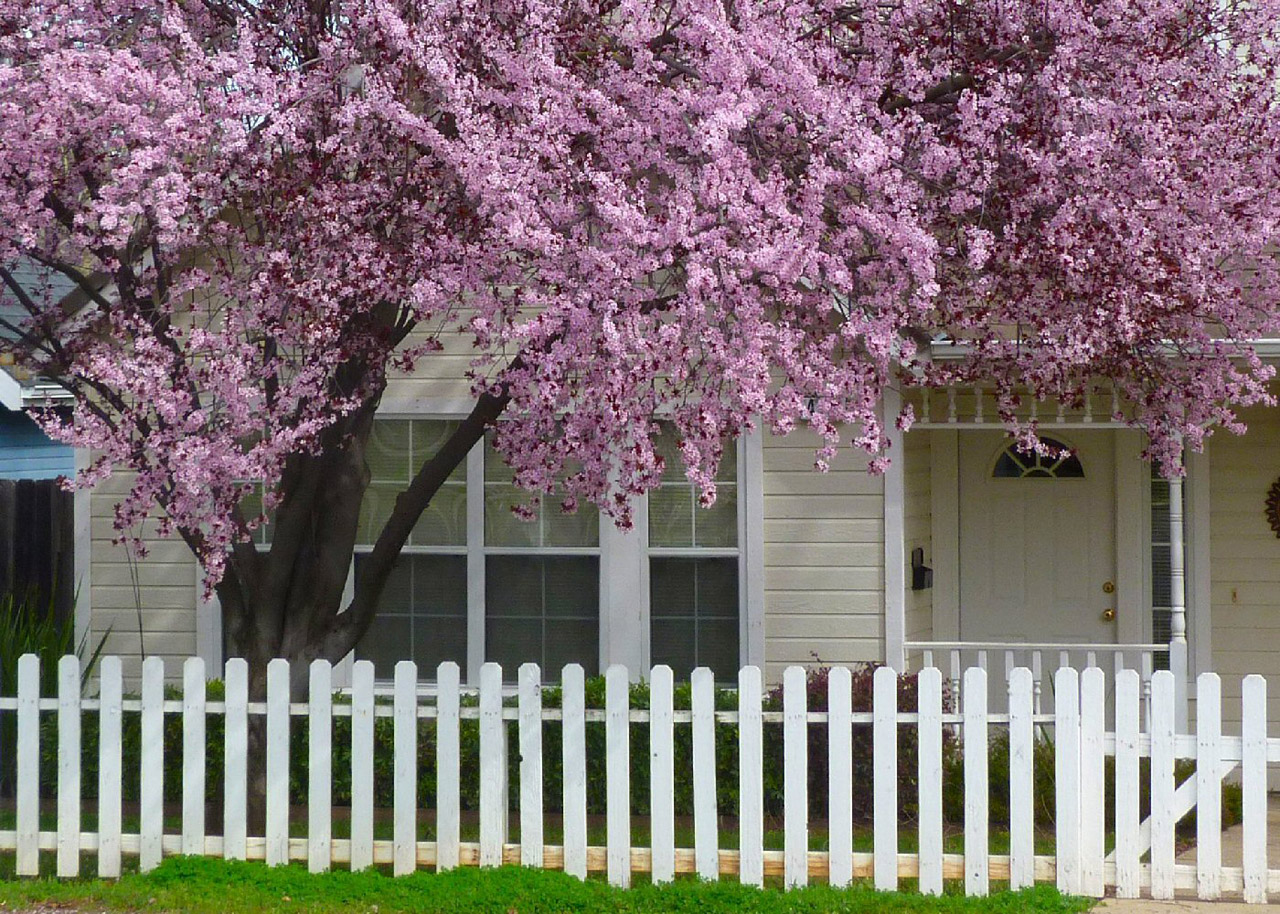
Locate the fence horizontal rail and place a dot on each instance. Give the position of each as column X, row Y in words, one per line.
column 831, row 754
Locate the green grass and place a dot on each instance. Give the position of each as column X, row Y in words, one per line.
column 202, row 886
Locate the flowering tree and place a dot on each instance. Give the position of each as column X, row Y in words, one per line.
column 728, row 212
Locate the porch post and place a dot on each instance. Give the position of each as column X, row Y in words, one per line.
column 1178, row 603
column 895, row 557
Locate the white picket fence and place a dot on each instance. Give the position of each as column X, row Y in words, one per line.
column 1143, row 861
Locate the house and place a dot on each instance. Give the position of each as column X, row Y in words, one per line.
column 964, row 551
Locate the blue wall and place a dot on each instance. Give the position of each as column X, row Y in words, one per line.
column 26, row 453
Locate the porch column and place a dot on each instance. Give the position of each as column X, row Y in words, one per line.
column 1178, row 603
column 895, row 557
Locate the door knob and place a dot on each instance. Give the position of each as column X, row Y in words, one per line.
column 1108, row 615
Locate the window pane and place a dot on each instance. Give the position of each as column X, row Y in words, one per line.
column 388, row 452
column 379, row 500
column 694, row 614
column 397, row 593
column 440, row 585
column 674, row 643
column 571, row 641
column 579, row 529
column 671, row 515
column 444, row 522
column 543, row 610
column 718, row 525
column 717, row 588
column 513, row 586
column 501, row 526
column 572, row 587
column 388, row 641
column 422, row 615
column 718, row 648
column 672, row 586
column 512, row 642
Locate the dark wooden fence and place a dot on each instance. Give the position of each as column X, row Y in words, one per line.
column 37, row 543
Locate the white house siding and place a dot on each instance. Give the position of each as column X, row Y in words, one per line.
column 440, row 378
column 165, row 589
column 1245, row 559
column 824, row 557
column 918, row 529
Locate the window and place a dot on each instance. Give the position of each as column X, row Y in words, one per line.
column 1014, row 463
column 694, row 598
column 542, row 579
column 477, row 583
column 423, row 612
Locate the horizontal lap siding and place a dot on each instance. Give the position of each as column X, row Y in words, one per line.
column 438, row 376
column 918, row 529
column 824, row 557
column 1245, row 560
column 165, row 591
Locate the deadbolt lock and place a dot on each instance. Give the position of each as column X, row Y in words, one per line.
column 1109, row 615
column 1109, row 587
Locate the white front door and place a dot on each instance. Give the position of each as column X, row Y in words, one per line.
column 1037, row 540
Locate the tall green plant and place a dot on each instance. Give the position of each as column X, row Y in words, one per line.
column 29, row 625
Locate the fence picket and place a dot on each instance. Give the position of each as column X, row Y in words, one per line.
column 884, row 684
column 151, row 765
column 362, row 676
column 1021, row 779
column 750, row 778
column 1066, row 709
column 1128, row 711
column 574, row 749
column 840, row 778
column 706, row 850
column 404, row 769
column 929, row 697
column 448, row 766
column 193, row 755
column 530, row 699
column 1162, row 787
column 1093, row 791
column 235, row 780
column 277, row 851
column 69, row 766
column 1254, row 784
column 110, row 775
column 976, row 851
column 795, row 778
column 1208, row 786
column 617, row 776
column 493, row 767
column 662, row 834
column 320, row 767
column 28, row 759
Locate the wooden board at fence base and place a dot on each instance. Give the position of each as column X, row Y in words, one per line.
column 597, row 857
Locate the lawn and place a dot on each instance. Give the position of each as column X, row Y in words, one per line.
column 204, row 886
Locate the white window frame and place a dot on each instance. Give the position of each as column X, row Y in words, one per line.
column 623, row 560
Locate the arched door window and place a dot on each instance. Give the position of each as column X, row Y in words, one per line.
column 1014, row 463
